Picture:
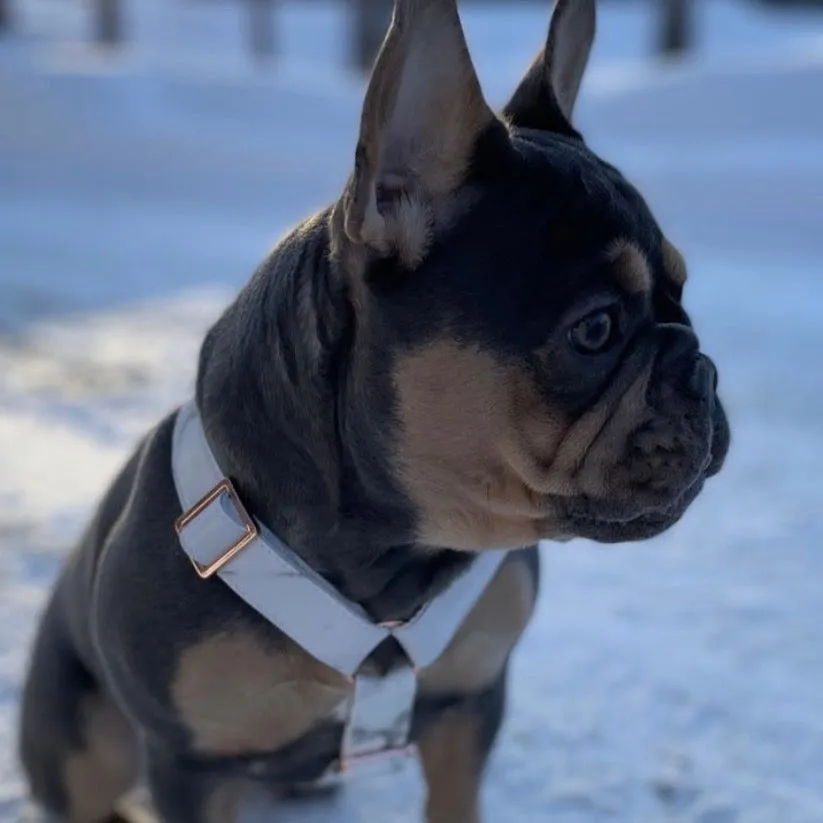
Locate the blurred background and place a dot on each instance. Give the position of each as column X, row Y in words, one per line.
column 151, row 151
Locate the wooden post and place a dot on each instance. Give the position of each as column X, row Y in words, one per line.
column 108, row 22
column 261, row 28
column 369, row 24
column 5, row 15
column 676, row 26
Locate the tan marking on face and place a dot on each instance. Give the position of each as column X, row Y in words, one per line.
column 630, row 267
column 674, row 265
column 238, row 697
column 476, row 446
column 452, row 759
column 477, row 654
column 406, row 231
column 607, row 469
column 106, row 768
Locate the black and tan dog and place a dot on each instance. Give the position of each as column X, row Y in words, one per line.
column 480, row 345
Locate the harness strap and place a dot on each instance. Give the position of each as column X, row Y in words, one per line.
column 222, row 539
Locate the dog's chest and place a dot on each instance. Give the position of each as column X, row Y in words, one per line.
column 239, row 695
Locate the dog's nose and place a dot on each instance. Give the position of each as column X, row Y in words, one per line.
column 677, row 343
column 676, row 340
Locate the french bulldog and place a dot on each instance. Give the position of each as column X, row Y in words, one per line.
column 480, row 345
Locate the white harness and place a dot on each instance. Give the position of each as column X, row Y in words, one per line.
column 222, row 539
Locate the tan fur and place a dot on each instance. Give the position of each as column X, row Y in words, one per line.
column 452, row 762
column 106, row 768
column 238, row 697
column 477, row 446
column 674, row 265
column 406, row 231
column 477, row 654
column 630, row 267
column 225, row 802
column 137, row 806
column 608, row 469
column 505, row 479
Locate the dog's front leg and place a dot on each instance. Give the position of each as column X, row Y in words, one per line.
column 454, row 750
column 184, row 792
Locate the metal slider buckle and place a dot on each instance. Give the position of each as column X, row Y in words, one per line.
column 250, row 531
column 350, row 761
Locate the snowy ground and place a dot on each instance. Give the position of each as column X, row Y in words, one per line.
column 675, row 682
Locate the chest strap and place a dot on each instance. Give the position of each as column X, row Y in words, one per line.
column 223, row 540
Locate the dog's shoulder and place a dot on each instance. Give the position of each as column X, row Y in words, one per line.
column 477, row 655
column 194, row 662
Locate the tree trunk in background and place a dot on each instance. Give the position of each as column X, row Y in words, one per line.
column 676, row 28
column 261, row 27
column 108, row 22
column 369, row 25
column 5, row 14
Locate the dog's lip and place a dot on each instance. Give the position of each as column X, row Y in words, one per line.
column 644, row 517
column 653, row 515
column 582, row 521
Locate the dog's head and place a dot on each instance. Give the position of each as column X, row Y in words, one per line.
column 519, row 333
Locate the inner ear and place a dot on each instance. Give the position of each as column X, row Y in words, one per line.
column 546, row 96
column 423, row 115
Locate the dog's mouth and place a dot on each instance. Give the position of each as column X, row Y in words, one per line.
column 608, row 527
column 606, row 523
column 639, row 514
column 658, row 494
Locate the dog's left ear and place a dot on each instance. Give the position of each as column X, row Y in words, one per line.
column 546, row 96
column 423, row 114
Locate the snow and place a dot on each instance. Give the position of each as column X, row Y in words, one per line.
column 674, row 682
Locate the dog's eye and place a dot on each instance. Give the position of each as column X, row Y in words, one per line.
column 594, row 333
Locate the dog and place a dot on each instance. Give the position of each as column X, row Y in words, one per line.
column 480, row 345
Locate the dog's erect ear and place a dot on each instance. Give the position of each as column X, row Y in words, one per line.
column 546, row 96
column 423, row 114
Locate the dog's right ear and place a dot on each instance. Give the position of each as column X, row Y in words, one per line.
column 423, row 114
column 546, row 96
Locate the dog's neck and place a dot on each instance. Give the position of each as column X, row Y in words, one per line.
column 272, row 390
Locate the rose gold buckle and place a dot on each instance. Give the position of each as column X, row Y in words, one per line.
column 250, row 531
column 350, row 760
